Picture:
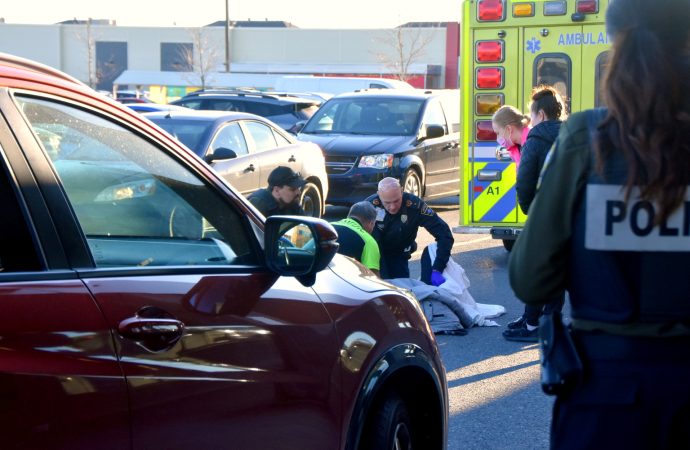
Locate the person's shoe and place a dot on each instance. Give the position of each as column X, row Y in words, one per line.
column 517, row 323
column 522, row 335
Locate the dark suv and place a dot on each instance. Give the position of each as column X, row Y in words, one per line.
column 284, row 110
column 407, row 134
column 144, row 303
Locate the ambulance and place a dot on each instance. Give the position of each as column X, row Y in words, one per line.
column 507, row 48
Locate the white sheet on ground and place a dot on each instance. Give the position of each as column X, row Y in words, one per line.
column 455, row 294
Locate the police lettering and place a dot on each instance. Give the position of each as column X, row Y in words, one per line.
column 641, row 218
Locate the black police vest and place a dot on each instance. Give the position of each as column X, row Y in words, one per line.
column 623, row 268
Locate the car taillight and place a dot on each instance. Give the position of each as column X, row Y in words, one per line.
column 587, row 6
column 523, row 9
column 489, row 51
column 490, row 10
column 487, row 104
column 558, row 8
column 489, row 78
column 485, row 132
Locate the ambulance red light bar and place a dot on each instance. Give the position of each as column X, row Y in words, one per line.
column 587, row 6
column 491, row 10
column 489, row 51
column 489, row 78
column 485, row 132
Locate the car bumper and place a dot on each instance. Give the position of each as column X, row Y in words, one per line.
column 356, row 185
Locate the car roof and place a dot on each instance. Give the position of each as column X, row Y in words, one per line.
column 248, row 95
column 420, row 94
column 203, row 115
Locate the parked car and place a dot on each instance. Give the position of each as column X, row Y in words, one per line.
column 144, row 303
column 283, row 110
column 411, row 135
column 245, row 148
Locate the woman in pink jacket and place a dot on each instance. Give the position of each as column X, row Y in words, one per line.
column 511, row 128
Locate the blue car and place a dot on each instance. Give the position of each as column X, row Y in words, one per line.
column 366, row 136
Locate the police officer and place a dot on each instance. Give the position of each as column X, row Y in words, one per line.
column 611, row 225
column 399, row 216
column 282, row 194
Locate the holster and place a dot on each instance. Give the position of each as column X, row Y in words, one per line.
column 561, row 367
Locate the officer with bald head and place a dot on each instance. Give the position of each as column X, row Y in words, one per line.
column 399, row 216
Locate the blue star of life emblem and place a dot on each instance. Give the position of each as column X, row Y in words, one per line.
column 533, row 45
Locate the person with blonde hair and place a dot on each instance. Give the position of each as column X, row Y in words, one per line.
column 611, row 225
column 511, row 128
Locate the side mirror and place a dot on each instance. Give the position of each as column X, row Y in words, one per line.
column 220, row 154
column 297, row 127
column 299, row 246
column 433, row 131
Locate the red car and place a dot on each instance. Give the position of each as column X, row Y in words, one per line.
column 144, row 304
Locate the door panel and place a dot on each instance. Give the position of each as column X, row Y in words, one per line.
column 592, row 64
column 440, row 155
column 241, row 172
column 61, row 386
column 254, row 366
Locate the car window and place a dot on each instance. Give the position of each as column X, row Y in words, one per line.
column 192, row 133
column 193, row 104
column 225, row 105
column 281, row 140
column 262, row 135
column 231, row 137
column 373, row 116
column 267, row 109
column 433, row 115
column 136, row 205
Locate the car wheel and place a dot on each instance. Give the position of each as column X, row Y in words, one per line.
column 390, row 428
column 411, row 183
column 311, row 200
column 508, row 244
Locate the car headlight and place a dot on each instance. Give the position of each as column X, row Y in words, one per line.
column 382, row 161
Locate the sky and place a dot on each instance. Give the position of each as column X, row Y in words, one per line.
column 185, row 13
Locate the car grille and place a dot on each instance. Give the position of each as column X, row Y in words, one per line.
column 336, row 165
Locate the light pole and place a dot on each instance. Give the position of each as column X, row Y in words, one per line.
column 227, row 36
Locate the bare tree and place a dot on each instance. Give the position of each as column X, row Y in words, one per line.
column 88, row 39
column 202, row 57
column 403, row 46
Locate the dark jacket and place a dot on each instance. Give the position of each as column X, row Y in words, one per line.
column 623, row 276
column 263, row 201
column 396, row 233
column 533, row 153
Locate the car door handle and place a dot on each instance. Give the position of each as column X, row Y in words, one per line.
column 153, row 334
column 250, row 168
column 292, row 158
column 450, row 145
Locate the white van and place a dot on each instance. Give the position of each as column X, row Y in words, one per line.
column 336, row 85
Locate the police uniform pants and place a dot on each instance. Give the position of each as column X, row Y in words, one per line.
column 635, row 394
column 395, row 266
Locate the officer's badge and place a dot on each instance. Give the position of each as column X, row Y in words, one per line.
column 403, row 218
column 380, row 214
column 408, row 203
column 376, row 202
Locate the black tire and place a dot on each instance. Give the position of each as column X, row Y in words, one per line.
column 390, row 427
column 508, row 244
column 412, row 184
column 311, row 200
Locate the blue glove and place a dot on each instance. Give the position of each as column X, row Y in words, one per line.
column 436, row 278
